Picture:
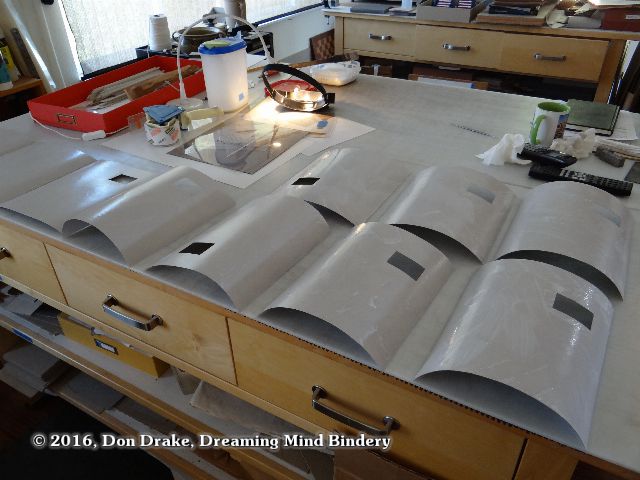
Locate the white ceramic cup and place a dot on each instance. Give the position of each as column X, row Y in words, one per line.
column 549, row 122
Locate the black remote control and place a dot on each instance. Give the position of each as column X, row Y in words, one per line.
column 545, row 156
column 618, row 188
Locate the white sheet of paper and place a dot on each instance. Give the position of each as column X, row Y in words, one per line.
column 350, row 182
column 535, row 328
column 135, row 143
column 253, row 247
column 144, row 219
column 461, row 203
column 64, row 198
column 568, row 222
column 343, row 131
column 374, row 286
column 624, row 130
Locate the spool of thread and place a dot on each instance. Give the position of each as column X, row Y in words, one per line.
column 159, row 35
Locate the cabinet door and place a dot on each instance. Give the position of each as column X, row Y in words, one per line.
column 186, row 331
column 458, row 46
column 434, row 435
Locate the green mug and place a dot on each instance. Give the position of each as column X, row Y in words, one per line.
column 549, row 122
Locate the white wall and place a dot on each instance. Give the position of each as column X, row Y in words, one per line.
column 291, row 34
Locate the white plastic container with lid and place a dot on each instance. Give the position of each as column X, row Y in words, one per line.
column 224, row 64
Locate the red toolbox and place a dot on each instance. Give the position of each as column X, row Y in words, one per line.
column 55, row 108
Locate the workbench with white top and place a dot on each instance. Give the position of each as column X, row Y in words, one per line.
column 271, row 363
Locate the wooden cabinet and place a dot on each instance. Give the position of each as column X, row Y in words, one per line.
column 25, row 260
column 187, row 331
column 590, row 56
column 434, row 435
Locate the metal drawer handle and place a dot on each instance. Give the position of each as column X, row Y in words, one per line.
column 449, row 46
column 539, row 56
column 390, row 423
column 373, row 36
column 4, row 253
column 111, row 301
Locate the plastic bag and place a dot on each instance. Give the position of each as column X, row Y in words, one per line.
column 336, row 74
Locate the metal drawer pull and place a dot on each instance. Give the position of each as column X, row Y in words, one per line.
column 390, row 423
column 539, row 56
column 111, row 301
column 373, row 36
column 449, row 46
column 4, row 253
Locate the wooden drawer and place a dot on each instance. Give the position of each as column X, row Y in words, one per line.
column 379, row 36
column 458, row 46
column 434, row 436
column 26, row 261
column 189, row 332
column 580, row 59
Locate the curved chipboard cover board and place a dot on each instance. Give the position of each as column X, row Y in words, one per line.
column 374, row 287
column 562, row 221
column 251, row 249
column 62, row 199
column 12, row 141
column 156, row 213
column 461, row 203
column 533, row 327
column 350, row 182
column 32, row 166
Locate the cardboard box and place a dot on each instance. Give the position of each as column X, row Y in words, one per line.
column 442, row 14
column 625, row 19
column 83, row 334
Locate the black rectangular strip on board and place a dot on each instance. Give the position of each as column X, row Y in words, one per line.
column 408, row 266
column 305, row 181
column 197, row 248
column 573, row 309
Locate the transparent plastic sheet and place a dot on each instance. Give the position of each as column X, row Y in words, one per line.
column 32, row 165
column 374, row 286
column 154, row 214
column 533, row 327
column 240, row 145
column 56, row 202
column 461, row 203
column 573, row 226
column 249, row 250
column 350, row 182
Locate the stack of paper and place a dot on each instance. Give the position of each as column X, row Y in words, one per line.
column 517, row 12
column 30, row 369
